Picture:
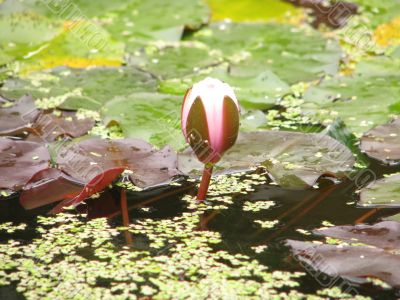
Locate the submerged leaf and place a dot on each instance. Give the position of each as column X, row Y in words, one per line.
column 292, row 159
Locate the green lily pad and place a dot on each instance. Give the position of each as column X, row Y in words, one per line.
column 152, row 117
column 291, row 53
column 140, row 22
column 176, row 61
column 79, row 88
column 251, row 10
column 254, row 92
column 24, row 34
column 372, row 91
column 381, row 193
column 378, row 11
column 383, row 143
column 62, row 9
column 292, row 159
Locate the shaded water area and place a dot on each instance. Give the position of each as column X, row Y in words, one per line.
column 297, row 211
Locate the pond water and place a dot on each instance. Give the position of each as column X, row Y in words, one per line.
column 297, row 212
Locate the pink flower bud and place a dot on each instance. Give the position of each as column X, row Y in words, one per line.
column 210, row 119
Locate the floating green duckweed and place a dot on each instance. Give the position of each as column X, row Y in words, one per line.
column 257, row 206
column 223, row 187
column 9, row 227
column 266, row 223
column 73, row 258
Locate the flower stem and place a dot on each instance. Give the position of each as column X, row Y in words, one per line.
column 205, row 182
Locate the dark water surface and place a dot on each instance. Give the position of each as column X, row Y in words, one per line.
column 304, row 209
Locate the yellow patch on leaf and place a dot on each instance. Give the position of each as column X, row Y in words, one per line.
column 388, row 34
column 50, row 62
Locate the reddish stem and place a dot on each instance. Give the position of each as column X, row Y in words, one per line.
column 205, row 182
column 125, row 217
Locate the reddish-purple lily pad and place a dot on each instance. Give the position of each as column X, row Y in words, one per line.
column 19, row 161
column 378, row 258
column 48, row 186
column 383, row 143
column 95, row 185
column 92, row 157
column 384, row 235
column 18, row 117
column 49, row 126
column 354, row 263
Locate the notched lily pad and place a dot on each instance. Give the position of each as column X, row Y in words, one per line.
column 292, row 159
column 90, row 158
column 95, row 185
column 378, row 258
column 17, row 117
column 384, row 192
column 383, row 143
column 19, row 161
column 48, row 186
column 153, row 117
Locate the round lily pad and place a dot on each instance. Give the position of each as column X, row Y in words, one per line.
column 261, row 91
column 18, row 117
column 355, row 263
column 79, row 88
column 52, row 125
column 383, row 143
column 176, row 61
column 291, row 53
column 152, row 117
column 293, row 159
column 381, row 193
column 90, row 158
column 140, row 23
column 372, row 91
column 20, row 160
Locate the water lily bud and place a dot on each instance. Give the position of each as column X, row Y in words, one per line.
column 210, row 119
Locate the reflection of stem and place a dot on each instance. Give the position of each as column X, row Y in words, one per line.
column 366, row 216
column 329, row 190
column 205, row 219
column 205, row 182
column 125, row 217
